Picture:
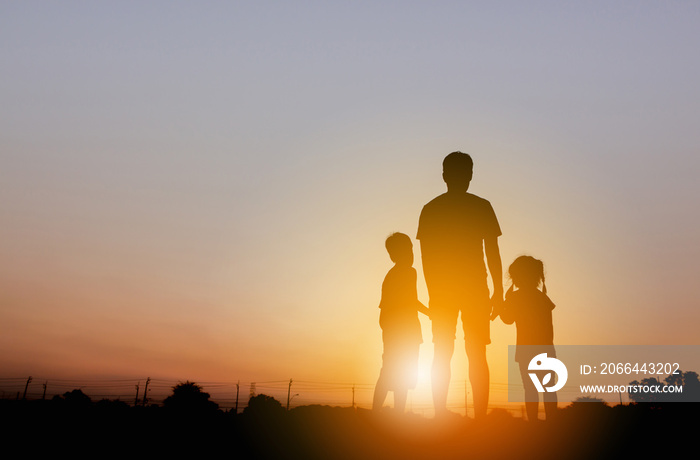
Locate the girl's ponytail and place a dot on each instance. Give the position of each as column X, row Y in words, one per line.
column 528, row 270
column 541, row 269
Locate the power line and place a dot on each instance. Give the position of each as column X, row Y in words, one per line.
column 225, row 393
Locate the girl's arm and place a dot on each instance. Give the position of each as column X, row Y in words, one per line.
column 507, row 315
column 422, row 308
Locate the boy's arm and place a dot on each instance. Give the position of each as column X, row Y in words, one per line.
column 493, row 260
column 414, row 294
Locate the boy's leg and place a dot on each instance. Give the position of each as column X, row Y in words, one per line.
column 380, row 392
column 382, row 387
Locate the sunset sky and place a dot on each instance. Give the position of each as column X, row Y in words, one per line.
column 202, row 190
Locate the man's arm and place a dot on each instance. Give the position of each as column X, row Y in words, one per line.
column 493, row 260
column 426, row 262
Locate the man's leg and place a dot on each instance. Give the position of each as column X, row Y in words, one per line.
column 477, row 334
column 441, row 374
column 479, row 377
column 444, row 318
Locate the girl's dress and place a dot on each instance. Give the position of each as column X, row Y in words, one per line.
column 531, row 310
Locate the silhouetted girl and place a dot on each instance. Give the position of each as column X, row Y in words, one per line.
column 531, row 310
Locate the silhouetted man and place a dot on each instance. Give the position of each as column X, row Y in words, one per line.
column 456, row 230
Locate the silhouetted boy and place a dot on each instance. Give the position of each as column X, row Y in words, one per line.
column 398, row 318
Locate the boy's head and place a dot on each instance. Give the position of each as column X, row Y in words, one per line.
column 457, row 169
column 400, row 248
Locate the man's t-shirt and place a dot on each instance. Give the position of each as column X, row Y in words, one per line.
column 451, row 229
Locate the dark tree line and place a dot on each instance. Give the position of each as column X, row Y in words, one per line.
column 189, row 423
column 687, row 380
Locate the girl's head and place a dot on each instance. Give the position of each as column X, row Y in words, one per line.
column 527, row 272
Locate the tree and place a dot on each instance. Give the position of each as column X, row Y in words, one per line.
column 589, row 399
column 189, row 397
column 690, row 383
column 641, row 396
column 674, row 379
column 263, row 406
column 688, row 380
column 77, row 398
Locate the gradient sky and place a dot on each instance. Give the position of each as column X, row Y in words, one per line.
column 202, row 190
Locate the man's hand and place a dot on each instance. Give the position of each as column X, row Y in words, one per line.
column 493, row 260
column 496, row 305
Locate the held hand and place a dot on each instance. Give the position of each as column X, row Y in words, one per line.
column 496, row 305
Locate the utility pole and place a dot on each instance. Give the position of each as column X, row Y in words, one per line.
column 24, row 396
column 145, row 392
column 238, row 387
column 136, row 401
column 43, row 396
column 289, row 392
column 353, row 395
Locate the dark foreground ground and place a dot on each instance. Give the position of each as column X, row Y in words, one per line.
column 581, row 431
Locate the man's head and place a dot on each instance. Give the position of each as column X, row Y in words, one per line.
column 457, row 168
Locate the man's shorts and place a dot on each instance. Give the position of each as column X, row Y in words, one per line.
column 475, row 306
